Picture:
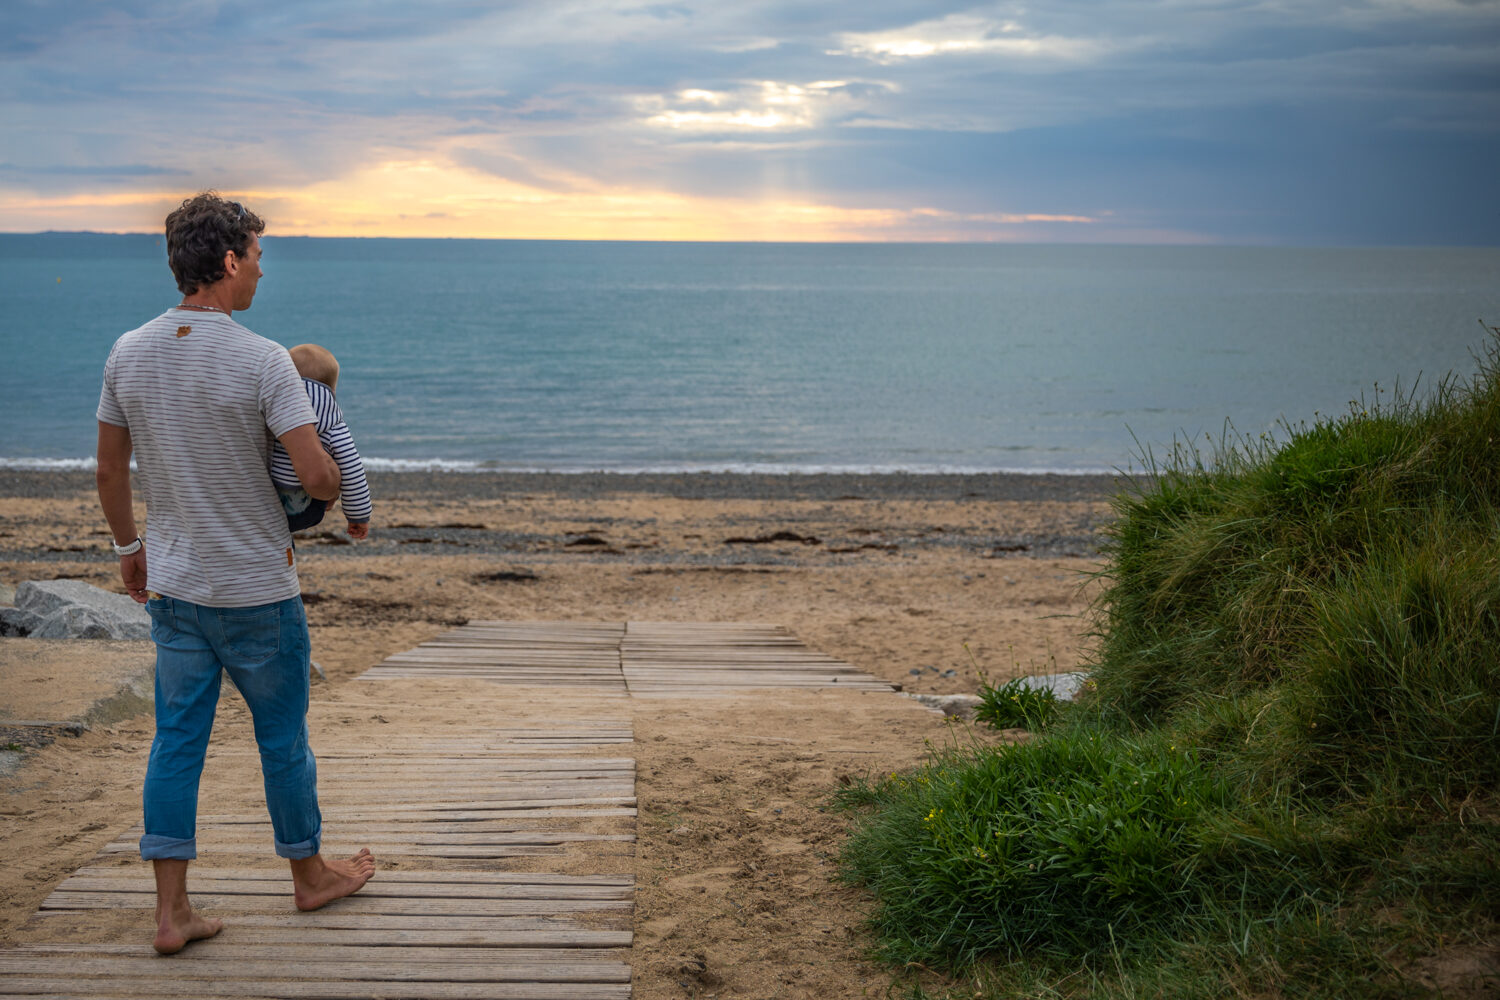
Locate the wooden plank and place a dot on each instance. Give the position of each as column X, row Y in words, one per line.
column 357, row 904
column 291, row 951
column 315, row 989
column 456, row 853
column 493, row 937
column 562, row 808
column 374, row 889
column 497, row 923
column 456, row 922
column 402, row 970
column 519, row 765
column 463, row 929
column 206, row 874
column 351, row 823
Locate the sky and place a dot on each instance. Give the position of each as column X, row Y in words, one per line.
column 1324, row 122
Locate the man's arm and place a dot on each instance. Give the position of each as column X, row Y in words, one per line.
column 316, row 470
column 115, row 496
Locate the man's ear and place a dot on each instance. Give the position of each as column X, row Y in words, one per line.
column 231, row 262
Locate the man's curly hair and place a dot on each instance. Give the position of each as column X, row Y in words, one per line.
column 201, row 231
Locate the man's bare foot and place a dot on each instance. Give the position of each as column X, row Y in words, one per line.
column 317, row 882
column 173, row 932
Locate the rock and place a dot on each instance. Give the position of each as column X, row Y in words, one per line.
column 961, row 705
column 76, row 622
column 72, row 609
column 15, row 622
column 1065, row 686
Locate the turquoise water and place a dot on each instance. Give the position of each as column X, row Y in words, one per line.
column 629, row 356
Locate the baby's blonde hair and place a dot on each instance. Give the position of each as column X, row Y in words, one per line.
column 316, row 363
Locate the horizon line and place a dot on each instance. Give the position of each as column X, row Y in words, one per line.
column 1225, row 244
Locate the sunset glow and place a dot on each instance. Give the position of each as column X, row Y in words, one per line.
column 426, row 199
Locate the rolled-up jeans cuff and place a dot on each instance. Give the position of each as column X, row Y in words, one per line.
column 155, row 847
column 302, row 849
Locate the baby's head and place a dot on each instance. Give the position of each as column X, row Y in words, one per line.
column 316, row 363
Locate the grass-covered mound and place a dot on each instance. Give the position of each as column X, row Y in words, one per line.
column 1285, row 779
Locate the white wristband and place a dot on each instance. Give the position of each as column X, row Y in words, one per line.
column 127, row 550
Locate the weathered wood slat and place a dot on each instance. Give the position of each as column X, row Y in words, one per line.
column 402, row 970
column 222, row 949
column 460, row 926
column 379, row 888
column 412, row 832
column 360, row 903
column 422, row 921
column 350, row 823
column 200, row 873
column 332, row 989
column 500, row 932
column 435, row 850
column 526, row 765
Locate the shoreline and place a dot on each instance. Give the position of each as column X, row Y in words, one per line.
column 415, row 485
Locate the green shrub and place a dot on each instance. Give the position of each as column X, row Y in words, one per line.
column 1041, row 846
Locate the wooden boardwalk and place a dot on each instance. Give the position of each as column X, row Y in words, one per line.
column 454, row 812
column 455, row 808
column 636, row 658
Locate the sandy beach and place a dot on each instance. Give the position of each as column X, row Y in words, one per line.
column 919, row 580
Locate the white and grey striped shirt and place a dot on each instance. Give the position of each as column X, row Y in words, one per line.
column 203, row 397
column 354, row 491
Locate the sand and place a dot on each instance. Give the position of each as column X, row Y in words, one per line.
column 924, row 581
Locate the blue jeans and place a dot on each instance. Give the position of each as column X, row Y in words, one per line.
column 265, row 649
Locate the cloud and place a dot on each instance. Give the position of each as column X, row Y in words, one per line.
column 965, row 34
column 763, row 105
column 1261, row 120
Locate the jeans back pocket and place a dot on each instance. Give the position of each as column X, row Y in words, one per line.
column 252, row 635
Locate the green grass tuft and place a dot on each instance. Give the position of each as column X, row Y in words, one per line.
column 1016, row 705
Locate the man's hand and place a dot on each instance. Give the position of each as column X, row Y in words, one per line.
column 133, row 572
column 359, row 529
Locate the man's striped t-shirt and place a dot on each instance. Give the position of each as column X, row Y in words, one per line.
column 203, row 397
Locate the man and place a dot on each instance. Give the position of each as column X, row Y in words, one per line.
column 198, row 399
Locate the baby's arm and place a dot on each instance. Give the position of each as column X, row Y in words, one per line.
column 334, row 433
column 355, row 496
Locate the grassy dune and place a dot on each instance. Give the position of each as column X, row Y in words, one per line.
column 1284, row 781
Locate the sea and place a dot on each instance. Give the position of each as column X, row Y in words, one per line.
column 763, row 357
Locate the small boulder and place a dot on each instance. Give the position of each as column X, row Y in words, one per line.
column 960, row 705
column 72, row 609
column 15, row 622
column 1065, row 686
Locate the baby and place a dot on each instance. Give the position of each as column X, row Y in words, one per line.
column 320, row 375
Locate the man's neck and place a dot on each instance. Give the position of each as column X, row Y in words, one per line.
column 213, row 297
